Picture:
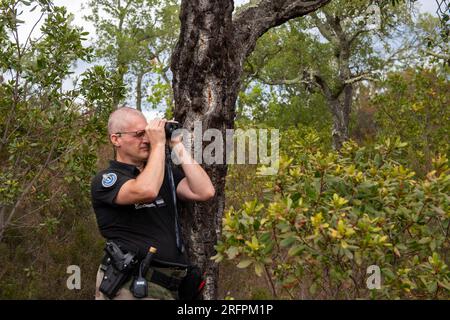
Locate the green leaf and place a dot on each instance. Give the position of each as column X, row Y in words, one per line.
column 232, row 252
column 265, row 237
column 388, row 273
column 313, row 288
column 296, row 250
column 288, row 241
column 244, row 263
column 432, row 286
column 424, row 240
column 217, row 258
column 358, row 258
column 377, row 160
column 259, row 267
column 444, row 284
column 268, row 247
column 348, row 254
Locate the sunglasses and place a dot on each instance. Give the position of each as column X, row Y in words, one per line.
column 136, row 134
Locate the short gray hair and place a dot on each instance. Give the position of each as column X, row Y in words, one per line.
column 119, row 118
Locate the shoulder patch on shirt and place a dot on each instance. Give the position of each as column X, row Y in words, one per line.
column 109, row 179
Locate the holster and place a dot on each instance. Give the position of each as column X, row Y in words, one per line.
column 117, row 266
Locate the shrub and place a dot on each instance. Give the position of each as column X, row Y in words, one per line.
column 327, row 217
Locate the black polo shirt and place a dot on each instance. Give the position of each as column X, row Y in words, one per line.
column 139, row 226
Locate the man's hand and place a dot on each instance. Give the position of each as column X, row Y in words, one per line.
column 146, row 186
column 177, row 139
column 155, row 131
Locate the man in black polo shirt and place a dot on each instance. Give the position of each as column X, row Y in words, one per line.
column 132, row 198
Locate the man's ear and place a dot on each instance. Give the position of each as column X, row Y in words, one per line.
column 114, row 140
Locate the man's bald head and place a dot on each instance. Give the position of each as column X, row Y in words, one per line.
column 122, row 118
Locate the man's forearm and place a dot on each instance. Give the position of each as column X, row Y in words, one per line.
column 197, row 178
column 151, row 178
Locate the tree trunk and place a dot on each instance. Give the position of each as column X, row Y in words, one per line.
column 119, row 78
column 207, row 67
column 206, row 81
column 339, row 131
column 139, row 91
column 341, row 108
column 121, row 66
column 340, row 105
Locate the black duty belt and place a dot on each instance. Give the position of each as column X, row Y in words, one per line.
column 168, row 282
column 159, row 278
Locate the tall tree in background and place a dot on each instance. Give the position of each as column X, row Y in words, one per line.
column 136, row 37
column 330, row 51
column 207, row 66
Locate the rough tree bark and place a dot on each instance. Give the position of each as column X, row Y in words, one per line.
column 207, row 68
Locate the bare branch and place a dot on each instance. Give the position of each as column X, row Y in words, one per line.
column 362, row 77
column 31, row 32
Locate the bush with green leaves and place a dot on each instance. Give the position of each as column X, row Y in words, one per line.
column 326, row 217
column 50, row 134
column 413, row 104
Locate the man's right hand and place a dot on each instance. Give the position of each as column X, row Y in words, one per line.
column 145, row 187
column 155, row 131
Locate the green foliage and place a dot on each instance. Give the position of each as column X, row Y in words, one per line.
column 326, row 217
column 135, row 39
column 414, row 106
column 433, row 40
column 310, row 65
column 50, row 137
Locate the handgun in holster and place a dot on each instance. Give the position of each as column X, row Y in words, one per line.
column 119, row 266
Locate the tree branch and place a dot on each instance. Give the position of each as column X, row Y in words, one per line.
column 324, row 86
column 362, row 77
column 325, row 30
column 251, row 23
column 437, row 54
column 277, row 82
column 357, row 34
column 335, row 23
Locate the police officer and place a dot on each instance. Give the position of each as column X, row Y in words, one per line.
column 132, row 198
